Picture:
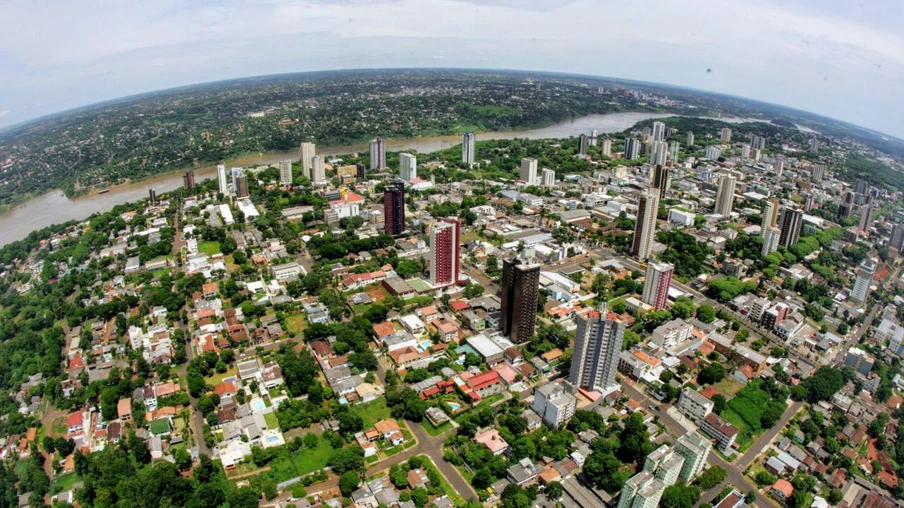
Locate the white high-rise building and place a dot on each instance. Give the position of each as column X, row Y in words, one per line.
column 308, row 151
column 597, row 343
column 285, row 172
column 606, row 148
column 674, row 147
column 779, row 167
column 318, row 170
column 770, row 216
column 695, row 450
column 817, row 172
column 549, row 177
column 632, row 148
column 642, row 490
column 554, row 405
column 378, row 153
column 658, row 131
column 222, row 181
column 529, row 170
column 713, row 152
column 864, row 278
column 656, row 285
column 725, row 195
column 645, row 227
column 770, row 240
column 407, row 167
column 594, row 136
column 745, row 151
column 725, row 135
column 690, row 139
column 467, row 148
column 659, row 151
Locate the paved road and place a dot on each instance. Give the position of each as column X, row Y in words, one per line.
column 768, row 437
column 854, row 338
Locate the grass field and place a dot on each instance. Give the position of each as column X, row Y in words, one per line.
column 296, row 323
column 745, row 434
column 728, row 387
column 372, row 412
column 436, row 431
column 272, row 421
column 307, row 460
column 216, row 378
column 209, row 248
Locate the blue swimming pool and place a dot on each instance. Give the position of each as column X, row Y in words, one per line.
column 257, row 405
column 454, row 405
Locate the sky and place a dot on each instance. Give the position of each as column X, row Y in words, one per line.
column 840, row 58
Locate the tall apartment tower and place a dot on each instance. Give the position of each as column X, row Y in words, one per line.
column 861, row 186
column 674, row 148
column 549, row 177
column 308, row 151
column 690, row 139
column 791, row 221
column 285, row 172
column 361, row 171
column 779, row 167
column 407, row 167
column 583, row 144
column 394, row 208
column 520, row 288
column 377, row 153
column 188, row 179
column 864, row 278
column 757, row 142
column 770, row 216
column 222, row 182
column 152, row 197
column 645, row 227
column 241, row 185
column 866, row 216
column 770, row 240
column 529, row 170
column 896, row 239
column 745, row 151
column 318, row 170
column 467, row 148
column 656, row 285
column 659, row 153
column 658, row 131
column 445, row 253
column 594, row 136
column 695, row 450
column 725, row 195
column 660, row 181
column 817, row 172
column 642, row 490
column 606, row 147
column 725, row 135
column 632, row 148
column 598, row 342
column 846, row 205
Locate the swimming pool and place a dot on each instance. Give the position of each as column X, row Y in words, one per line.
column 426, row 344
column 257, row 405
column 271, row 439
column 454, row 405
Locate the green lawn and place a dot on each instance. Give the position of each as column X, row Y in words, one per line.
column 443, row 482
column 209, row 248
column 272, row 421
column 728, row 387
column 217, row 377
column 487, row 402
column 296, row 323
column 372, row 412
column 64, row 483
column 430, row 429
column 307, row 460
column 745, row 434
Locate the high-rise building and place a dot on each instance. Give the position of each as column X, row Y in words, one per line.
column 674, row 147
column 520, row 289
column 377, row 153
column 817, row 172
column 659, row 152
column 188, row 179
column 407, row 167
column 690, row 139
column 790, row 223
column 770, row 240
column 583, row 144
column 770, row 216
column 594, row 136
column 598, row 342
column 308, row 151
column 632, row 148
column 394, row 208
column 861, row 186
column 660, row 180
column 529, row 170
column 713, row 152
column 656, row 285
column 285, row 172
column 725, row 195
column 695, row 450
column 236, row 173
column 445, row 253
column 361, row 171
column 554, row 405
column 665, row 464
column 658, row 131
column 814, row 145
column 866, row 217
column 318, row 170
column 642, row 490
column 896, row 239
column 645, row 227
column 241, row 185
column 152, row 197
column 467, row 148
column 222, row 182
column 779, row 167
column 549, row 177
column 745, row 151
column 846, row 205
column 725, row 135
column 606, row 148
column 757, row 142
column 863, row 280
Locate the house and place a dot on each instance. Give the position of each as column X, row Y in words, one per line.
column 493, row 441
column 782, row 490
column 225, row 389
column 390, row 430
column 523, row 473
column 74, row 422
column 124, row 409
column 417, row 478
column 272, row 375
column 486, row 384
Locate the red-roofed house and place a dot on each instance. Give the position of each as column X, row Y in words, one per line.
column 124, row 409
column 459, row 305
column 486, row 384
column 782, row 490
column 74, row 422
column 225, row 389
column 384, row 329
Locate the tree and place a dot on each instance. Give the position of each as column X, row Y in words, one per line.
column 348, row 483
column 420, row 497
column 764, row 478
column 719, row 404
column 680, row 495
column 706, row 314
column 347, row 459
column 245, row 497
column 710, row 478
column 634, row 440
column 182, row 459
column 711, row 374
column 554, row 490
column 820, row 386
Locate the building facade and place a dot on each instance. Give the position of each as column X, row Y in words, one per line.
column 445, row 253
column 520, row 289
column 598, row 341
column 394, row 208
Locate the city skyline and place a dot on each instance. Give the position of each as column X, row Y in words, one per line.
column 838, row 60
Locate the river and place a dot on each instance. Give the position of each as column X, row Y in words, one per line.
column 54, row 207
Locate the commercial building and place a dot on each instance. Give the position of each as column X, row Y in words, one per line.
column 645, row 227
column 554, row 404
column 529, row 170
column 549, row 177
column 656, row 285
column 285, row 172
column 318, row 170
column 598, row 341
column 188, row 179
column 394, row 208
column 520, row 288
column 308, row 151
column 863, row 280
column 445, row 253
column 407, row 167
column 859, row 360
column 467, row 148
column 377, row 153
column 790, row 223
column 725, row 195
